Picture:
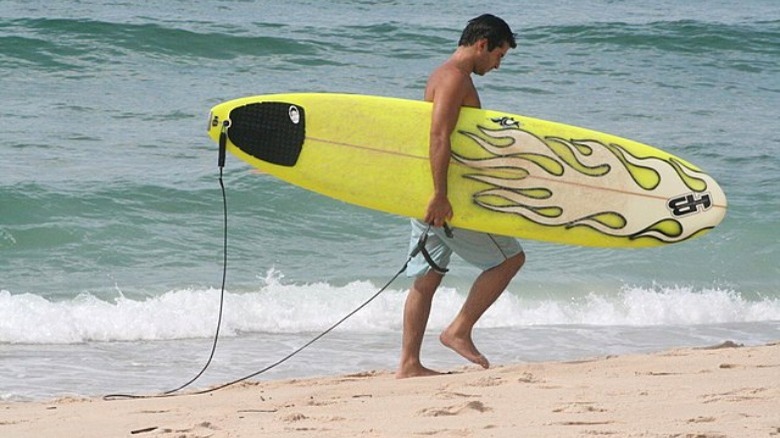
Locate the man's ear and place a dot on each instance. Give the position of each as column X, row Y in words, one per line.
column 482, row 44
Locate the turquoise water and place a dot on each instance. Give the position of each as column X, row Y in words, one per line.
column 111, row 212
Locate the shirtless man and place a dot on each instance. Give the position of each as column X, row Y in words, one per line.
column 483, row 44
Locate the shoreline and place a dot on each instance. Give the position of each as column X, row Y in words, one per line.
column 720, row 391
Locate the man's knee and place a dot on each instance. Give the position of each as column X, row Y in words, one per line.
column 519, row 259
column 515, row 262
column 427, row 283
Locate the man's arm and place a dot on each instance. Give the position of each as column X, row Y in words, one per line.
column 448, row 98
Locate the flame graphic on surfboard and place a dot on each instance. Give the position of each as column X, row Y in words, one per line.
column 567, row 182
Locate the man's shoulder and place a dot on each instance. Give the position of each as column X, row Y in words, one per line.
column 448, row 71
column 447, row 76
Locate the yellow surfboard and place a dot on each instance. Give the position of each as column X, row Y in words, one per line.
column 509, row 174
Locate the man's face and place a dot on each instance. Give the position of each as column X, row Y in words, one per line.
column 490, row 60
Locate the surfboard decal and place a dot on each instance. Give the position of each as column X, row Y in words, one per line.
column 544, row 179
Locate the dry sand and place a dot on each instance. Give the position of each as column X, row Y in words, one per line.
column 695, row 393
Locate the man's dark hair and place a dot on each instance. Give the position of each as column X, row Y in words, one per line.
column 487, row 26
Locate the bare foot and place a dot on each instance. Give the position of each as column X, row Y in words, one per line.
column 465, row 347
column 415, row 371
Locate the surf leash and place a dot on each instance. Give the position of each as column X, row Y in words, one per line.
column 419, row 248
column 175, row 392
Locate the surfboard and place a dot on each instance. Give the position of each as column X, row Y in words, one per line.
column 509, row 174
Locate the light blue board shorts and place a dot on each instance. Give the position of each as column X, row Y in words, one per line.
column 482, row 250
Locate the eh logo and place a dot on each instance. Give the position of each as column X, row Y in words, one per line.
column 689, row 204
column 506, row 122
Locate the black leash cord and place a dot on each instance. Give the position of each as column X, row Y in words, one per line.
column 420, row 246
column 313, row 340
column 174, row 392
column 171, row 393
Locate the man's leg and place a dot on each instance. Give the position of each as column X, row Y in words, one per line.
column 485, row 291
column 416, row 312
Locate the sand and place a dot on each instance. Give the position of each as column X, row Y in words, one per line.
column 726, row 391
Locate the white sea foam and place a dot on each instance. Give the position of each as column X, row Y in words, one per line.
column 280, row 307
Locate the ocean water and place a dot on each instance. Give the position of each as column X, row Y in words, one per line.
column 111, row 211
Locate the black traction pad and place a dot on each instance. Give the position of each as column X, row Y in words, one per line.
column 270, row 131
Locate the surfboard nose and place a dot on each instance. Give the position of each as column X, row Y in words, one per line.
column 719, row 203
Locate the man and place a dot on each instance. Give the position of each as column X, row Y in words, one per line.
column 483, row 44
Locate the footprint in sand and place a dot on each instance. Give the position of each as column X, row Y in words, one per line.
column 528, row 378
column 738, row 395
column 201, row 430
column 578, row 408
column 487, row 381
column 472, row 406
column 292, row 418
column 450, row 395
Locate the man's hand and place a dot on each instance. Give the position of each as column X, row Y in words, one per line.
column 439, row 211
